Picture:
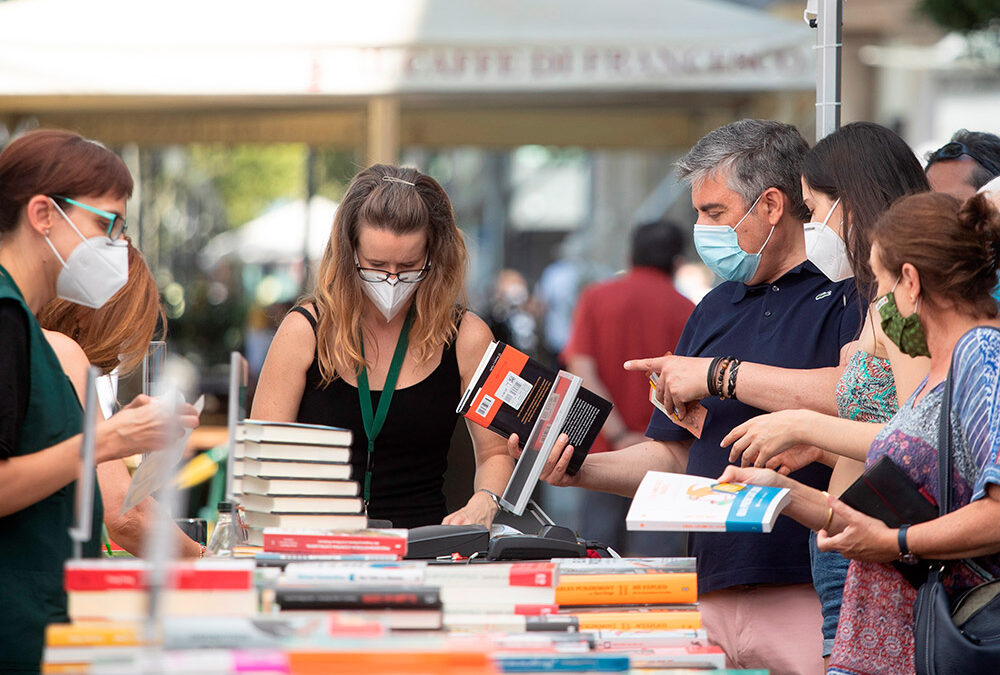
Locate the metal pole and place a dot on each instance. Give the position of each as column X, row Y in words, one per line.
column 311, row 187
column 829, row 20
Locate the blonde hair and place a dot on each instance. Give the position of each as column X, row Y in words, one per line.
column 401, row 201
column 117, row 334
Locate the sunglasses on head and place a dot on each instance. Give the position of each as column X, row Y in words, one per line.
column 954, row 150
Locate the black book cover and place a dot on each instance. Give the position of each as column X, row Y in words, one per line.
column 509, row 390
column 886, row 492
column 359, row 597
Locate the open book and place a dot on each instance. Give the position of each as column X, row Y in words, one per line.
column 675, row 501
column 506, row 396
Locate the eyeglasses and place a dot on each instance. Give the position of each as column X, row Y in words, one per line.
column 374, row 275
column 954, row 150
column 116, row 224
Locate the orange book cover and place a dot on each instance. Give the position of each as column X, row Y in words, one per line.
column 667, row 619
column 311, row 662
column 624, row 589
column 93, row 634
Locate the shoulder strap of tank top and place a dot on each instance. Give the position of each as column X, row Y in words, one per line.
column 305, row 312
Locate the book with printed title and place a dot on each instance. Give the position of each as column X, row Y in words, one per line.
column 678, row 502
column 295, row 432
column 507, row 393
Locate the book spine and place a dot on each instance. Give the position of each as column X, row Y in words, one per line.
column 578, row 566
column 593, row 589
column 493, row 575
column 562, row 663
column 354, row 598
column 105, row 633
column 82, row 579
column 360, row 573
column 666, row 620
column 333, row 544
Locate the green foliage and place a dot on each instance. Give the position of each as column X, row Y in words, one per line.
column 961, row 15
column 248, row 178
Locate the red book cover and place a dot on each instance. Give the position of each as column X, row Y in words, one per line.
column 132, row 575
column 375, row 542
column 535, row 610
column 532, row 574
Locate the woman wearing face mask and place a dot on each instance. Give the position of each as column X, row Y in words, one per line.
column 935, row 262
column 62, row 200
column 848, row 180
column 114, row 338
column 385, row 348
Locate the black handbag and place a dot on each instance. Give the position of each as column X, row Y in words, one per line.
column 964, row 636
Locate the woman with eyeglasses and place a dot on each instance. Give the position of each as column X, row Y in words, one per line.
column 62, row 200
column 385, row 348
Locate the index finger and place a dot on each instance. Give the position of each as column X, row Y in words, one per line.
column 647, row 364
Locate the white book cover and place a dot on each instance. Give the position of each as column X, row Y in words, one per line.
column 678, row 502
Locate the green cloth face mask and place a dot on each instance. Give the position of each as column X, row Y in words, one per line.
column 907, row 333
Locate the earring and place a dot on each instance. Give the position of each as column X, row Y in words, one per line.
column 47, row 231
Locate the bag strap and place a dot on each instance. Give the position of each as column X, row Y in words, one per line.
column 945, row 467
column 944, row 446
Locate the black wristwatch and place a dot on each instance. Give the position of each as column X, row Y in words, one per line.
column 904, row 551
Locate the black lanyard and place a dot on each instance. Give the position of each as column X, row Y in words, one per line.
column 373, row 422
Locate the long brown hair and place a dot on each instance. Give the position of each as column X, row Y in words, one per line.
column 867, row 167
column 118, row 333
column 954, row 246
column 399, row 208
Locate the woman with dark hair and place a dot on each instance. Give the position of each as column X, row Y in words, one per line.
column 849, row 179
column 114, row 338
column 62, row 200
column 386, row 327
column 935, row 262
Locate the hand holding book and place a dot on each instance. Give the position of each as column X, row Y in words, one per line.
column 555, row 470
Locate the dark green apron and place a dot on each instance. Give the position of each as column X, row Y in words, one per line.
column 34, row 542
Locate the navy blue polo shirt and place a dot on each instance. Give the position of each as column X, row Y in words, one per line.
column 799, row 321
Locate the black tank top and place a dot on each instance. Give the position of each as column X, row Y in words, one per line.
column 411, row 452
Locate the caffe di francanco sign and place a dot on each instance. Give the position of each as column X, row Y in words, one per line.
column 615, row 67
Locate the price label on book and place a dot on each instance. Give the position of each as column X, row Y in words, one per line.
column 513, row 390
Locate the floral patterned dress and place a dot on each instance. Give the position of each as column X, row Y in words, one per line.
column 875, row 633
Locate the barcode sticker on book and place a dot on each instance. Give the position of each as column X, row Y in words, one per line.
column 513, row 390
column 484, row 406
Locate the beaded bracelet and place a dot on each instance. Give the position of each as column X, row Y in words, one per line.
column 720, row 378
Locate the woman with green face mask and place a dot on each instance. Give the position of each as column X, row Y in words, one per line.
column 838, row 179
column 935, row 263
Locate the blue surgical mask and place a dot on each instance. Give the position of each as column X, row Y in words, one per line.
column 719, row 248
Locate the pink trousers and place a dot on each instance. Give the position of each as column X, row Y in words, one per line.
column 767, row 626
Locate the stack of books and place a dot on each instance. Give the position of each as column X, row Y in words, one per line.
column 603, row 594
column 118, row 589
column 524, row 589
column 295, row 476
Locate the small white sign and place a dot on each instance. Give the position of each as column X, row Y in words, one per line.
column 513, row 390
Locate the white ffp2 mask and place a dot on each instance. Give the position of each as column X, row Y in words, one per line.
column 94, row 271
column 826, row 250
